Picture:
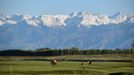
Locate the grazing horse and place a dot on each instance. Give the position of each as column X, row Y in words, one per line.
column 53, row 62
column 89, row 62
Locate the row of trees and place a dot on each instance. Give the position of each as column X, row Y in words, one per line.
column 57, row 52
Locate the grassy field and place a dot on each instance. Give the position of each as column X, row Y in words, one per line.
column 64, row 68
column 18, row 66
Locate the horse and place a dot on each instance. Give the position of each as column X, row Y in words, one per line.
column 89, row 62
column 53, row 62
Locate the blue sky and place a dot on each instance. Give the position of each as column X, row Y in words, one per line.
column 38, row 7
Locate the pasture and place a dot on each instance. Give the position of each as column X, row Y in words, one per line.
column 20, row 66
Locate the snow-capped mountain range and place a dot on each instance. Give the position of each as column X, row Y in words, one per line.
column 79, row 18
column 84, row 30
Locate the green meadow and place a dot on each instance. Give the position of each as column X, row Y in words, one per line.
column 37, row 67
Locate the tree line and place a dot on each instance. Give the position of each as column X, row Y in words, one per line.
column 58, row 52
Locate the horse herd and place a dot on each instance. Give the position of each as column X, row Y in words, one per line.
column 54, row 62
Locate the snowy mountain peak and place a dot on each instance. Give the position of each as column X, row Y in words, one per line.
column 119, row 17
column 118, row 14
column 77, row 18
column 17, row 17
column 80, row 13
column 55, row 20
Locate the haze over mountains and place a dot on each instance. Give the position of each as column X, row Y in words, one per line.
column 84, row 30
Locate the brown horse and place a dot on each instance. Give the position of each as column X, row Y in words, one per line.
column 89, row 62
column 53, row 62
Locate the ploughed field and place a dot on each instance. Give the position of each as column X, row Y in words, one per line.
column 20, row 66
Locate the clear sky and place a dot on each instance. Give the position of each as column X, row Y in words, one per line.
column 38, row 7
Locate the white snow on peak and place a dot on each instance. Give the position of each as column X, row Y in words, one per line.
column 55, row 20
column 31, row 20
column 11, row 22
column 89, row 20
column 17, row 17
column 26, row 17
column 131, row 19
column 103, row 19
column 77, row 18
column 95, row 20
column 75, row 14
column 1, row 22
column 119, row 17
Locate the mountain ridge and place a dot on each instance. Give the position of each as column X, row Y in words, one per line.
column 84, row 19
column 80, row 29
